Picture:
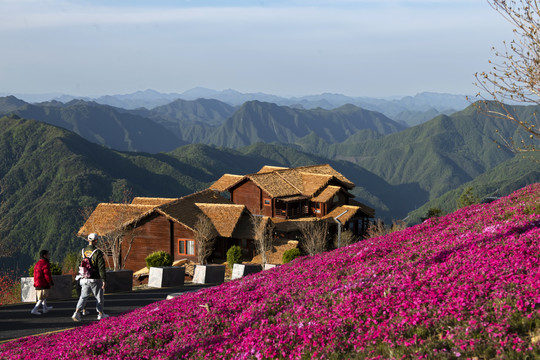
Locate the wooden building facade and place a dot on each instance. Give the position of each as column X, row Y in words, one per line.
column 290, row 194
column 170, row 225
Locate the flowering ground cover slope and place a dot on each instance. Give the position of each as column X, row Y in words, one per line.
column 466, row 285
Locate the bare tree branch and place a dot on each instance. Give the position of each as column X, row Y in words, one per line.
column 515, row 76
column 263, row 235
column 205, row 235
column 314, row 236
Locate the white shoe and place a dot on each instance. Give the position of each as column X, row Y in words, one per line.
column 35, row 312
column 85, row 312
column 46, row 309
column 102, row 316
column 76, row 316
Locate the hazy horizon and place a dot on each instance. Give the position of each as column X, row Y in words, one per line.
column 380, row 49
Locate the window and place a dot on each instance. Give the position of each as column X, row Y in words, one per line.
column 186, row 247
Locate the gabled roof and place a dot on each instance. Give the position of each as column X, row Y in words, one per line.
column 347, row 212
column 326, row 194
column 365, row 209
column 274, row 184
column 226, row 181
column 156, row 201
column 108, row 217
column 185, row 210
column 224, row 217
column 282, row 182
column 269, row 168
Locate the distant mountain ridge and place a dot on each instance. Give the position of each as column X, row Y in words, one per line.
column 98, row 123
column 201, row 121
column 391, row 107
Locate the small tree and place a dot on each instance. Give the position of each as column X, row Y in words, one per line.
column 431, row 213
column 291, row 254
column 515, row 76
column 263, row 236
column 205, row 235
column 158, row 258
column 314, row 236
column 467, row 198
column 234, row 256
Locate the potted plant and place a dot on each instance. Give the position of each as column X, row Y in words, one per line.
column 161, row 273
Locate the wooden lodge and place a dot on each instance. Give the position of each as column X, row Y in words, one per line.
column 282, row 195
column 302, row 193
column 153, row 224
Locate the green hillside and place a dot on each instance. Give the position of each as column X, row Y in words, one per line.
column 265, row 122
column 191, row 121
column 438, row 155
column 102, row 125
column 48, row 175
column 502, row 180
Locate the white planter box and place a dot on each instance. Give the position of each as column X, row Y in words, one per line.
column 62, row 289
column 209, row 274
column 241, row 270
column 166, row 276
column 270, row 266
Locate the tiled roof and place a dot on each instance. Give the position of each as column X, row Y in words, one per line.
column 151, row 201
column 225, row 182
column 185, row 210
column 268, row 168
column 280, row 182
column 274, row 184
column 365, row 209
column 326, row 194
column 347, row 212
column 223, row 216
column 108, row 217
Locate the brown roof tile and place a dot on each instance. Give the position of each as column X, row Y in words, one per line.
column 108, row 217
column 225, row 182
column 350, row 212
column 151, row 201
column 184, row 209
column 274, row 184
column 269, row 168
column 326, row 194
column 223, row 216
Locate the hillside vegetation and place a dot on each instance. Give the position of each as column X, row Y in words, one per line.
column 466, row 285
column 48, row 175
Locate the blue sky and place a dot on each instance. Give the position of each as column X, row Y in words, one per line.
column 374, row 48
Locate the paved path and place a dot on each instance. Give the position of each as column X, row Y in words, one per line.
column 16, row 320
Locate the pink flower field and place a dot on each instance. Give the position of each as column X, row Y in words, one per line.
column 466, row 285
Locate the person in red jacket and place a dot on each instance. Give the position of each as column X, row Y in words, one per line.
column 42, row 282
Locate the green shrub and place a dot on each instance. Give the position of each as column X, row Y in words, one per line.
column 55, row 270
column 159, row 258
column 234, row 255
column 291, row 254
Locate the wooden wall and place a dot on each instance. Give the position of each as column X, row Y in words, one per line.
column 250, row 195
column 152, row 235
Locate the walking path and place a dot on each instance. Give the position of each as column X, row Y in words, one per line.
column 16, row 320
